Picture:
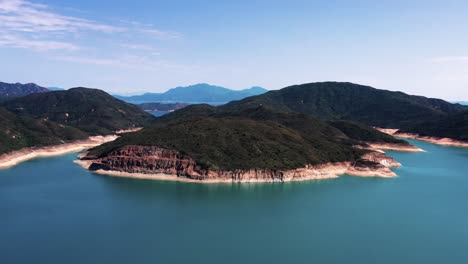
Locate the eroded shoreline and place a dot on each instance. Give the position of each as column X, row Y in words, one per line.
column 14, row 158
column 326, row 171
column 434, row 140
column 393, row 146
column 145, row 162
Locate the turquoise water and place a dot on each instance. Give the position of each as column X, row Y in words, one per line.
column 52, row 211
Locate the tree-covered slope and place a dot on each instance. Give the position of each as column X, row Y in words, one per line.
column 257, row 137
column 453, row 126
column 90, row 110
column 20, row 132
column 233, row 143
column 347, row 101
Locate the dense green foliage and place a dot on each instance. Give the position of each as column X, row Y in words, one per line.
column 90, row 110
column 20, row 132
column 347, row 101
column 453, row 126
column 61, row 116
column 233, row 143
column 257, row 137
column 362, row 132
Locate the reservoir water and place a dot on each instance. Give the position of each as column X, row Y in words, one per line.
column 53, row 211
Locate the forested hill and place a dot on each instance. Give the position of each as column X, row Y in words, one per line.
column 374, row 107
column 91, row 110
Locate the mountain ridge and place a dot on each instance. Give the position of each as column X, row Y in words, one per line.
column 198, row 93
column 359, row 103
column 13, row 90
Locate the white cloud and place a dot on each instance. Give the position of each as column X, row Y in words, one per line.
column 36, row 26
column 94, row 61
column 142, row 48
column 161, row 34
column 450, row 59
column 24, row 16
column 38, row 45
column 129, row 61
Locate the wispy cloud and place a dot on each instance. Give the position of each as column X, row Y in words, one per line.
column 38, row 45
column 161, row 34
column 450, row 59
column 24, row 16
column 129, row 62
column 94, row 61
column 141, row 48
column 36, row 26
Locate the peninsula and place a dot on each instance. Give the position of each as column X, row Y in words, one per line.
column 58, row 122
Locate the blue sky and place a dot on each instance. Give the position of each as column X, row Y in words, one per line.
column 419, row 47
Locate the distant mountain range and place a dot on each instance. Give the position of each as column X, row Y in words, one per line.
column 198, row 93
column 12, row 90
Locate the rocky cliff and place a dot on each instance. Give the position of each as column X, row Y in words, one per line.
column 152, row 160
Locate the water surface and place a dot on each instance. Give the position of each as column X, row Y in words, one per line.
column 52, row 211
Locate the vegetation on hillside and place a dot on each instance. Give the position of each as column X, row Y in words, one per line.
column 257, row 137
column 453, row 126
column 90, row 110
column 61, row 116
column 364, row 104
column 20, row 132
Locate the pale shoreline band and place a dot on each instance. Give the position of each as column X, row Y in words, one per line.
column 16, row 157
column 434, row 140
column 319, row 172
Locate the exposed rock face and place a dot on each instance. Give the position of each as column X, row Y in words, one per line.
column 382, row 159
column 151, row 160
column 394, row 146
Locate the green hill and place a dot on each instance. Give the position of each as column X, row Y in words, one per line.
column 364, row 104
column 257, row 137
column 453, row 126
column 90, row 110
column 20, row 132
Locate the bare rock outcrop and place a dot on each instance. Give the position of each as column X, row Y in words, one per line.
column 151, row 160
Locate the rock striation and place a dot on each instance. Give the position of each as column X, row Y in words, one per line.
column 152, row 162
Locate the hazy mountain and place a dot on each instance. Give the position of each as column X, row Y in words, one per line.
column 199, row 93
column 12, row 90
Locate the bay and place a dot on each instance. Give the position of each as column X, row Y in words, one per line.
column 53, row 211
